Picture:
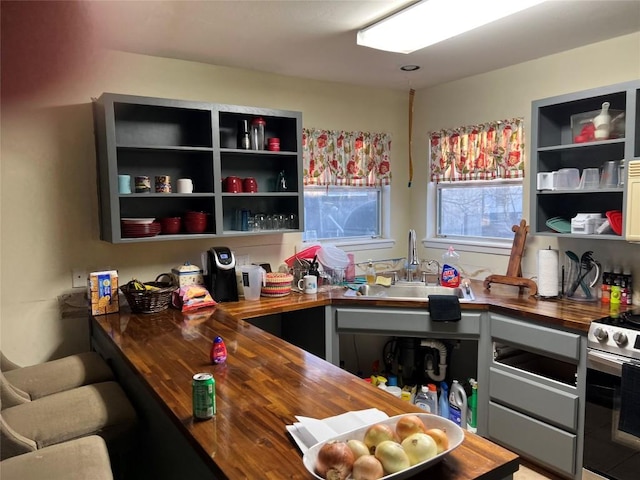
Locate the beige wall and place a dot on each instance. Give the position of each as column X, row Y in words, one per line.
column 49, row 195
column 48, row 212
column 508, row 93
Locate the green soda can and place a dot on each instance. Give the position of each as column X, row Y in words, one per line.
column 203, row 389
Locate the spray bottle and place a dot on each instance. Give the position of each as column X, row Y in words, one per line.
column 450, row 271
column 458, row 404
column 472, row 421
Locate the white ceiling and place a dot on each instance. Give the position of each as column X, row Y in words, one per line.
column 317, row 39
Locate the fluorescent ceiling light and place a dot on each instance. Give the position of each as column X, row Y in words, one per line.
column 431, row 21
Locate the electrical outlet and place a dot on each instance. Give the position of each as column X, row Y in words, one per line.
column 78, row 278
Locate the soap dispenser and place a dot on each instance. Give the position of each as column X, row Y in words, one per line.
column 371, row 273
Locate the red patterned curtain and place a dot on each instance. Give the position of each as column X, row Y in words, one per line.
column 478, row 152
column 356, row 159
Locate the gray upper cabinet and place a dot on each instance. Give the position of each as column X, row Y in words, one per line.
column 557, row 124
column 143, row 136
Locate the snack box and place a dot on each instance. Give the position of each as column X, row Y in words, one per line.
column 103, row 292
column 187, row 275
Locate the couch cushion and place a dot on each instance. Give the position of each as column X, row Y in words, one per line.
column 60, row 375
column 81, row 459
column 101, row 408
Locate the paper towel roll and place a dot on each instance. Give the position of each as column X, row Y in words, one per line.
column 548, row 273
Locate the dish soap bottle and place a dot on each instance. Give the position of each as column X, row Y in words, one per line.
column 425, row 400
column 450, row 276
column 371, row 273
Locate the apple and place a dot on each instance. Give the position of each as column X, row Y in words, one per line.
column 377, row 433
column 419, row 447
column 408, row 425
column 440, row 437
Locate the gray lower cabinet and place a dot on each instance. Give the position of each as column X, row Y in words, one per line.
column 536, row 382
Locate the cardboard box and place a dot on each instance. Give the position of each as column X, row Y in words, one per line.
column 103, row 292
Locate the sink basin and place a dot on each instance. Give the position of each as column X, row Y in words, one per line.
column 410, row 291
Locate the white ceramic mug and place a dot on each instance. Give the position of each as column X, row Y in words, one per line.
column 308, row 284
column 185, row 185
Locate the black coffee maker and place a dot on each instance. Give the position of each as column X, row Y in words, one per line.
column 221, row 281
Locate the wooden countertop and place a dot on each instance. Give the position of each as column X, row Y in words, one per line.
column 262, row 386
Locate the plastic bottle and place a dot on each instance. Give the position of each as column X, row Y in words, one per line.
column 450, row 271
column 606, row 286
column 432, row 395
column 424, row 400
column 257, row 133
column 458, row 404
column 218, row 352
column 443, row 403
column 371, row 273
column 472, row 421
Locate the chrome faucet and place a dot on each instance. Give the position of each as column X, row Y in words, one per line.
column 412, row 256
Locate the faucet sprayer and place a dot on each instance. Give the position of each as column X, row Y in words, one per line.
column 412, row 255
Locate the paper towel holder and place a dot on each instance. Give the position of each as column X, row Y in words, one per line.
column 514, row 269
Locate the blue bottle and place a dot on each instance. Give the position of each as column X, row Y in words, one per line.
column 443, row 403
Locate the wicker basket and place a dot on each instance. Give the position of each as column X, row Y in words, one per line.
column 150, row 301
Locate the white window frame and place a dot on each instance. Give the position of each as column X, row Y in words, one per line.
column 362, row 243
column 492, row 246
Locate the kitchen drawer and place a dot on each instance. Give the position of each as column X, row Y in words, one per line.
column 532, row 438
column 404, row 321
column 536, row 337
column 542, row 401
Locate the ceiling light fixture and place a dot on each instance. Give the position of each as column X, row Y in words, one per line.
column 410, row 68
column 431, row 21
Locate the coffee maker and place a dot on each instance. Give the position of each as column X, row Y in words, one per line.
column 221, row 281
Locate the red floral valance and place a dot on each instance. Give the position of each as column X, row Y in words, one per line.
column 478, row 152
column 357, row 159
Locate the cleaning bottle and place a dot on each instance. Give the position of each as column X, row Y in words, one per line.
column 424, row 401
column 472, row 421
column 443, row 404
column 458, row 404
column 371, row 273
column 432, row 395
column 450, row 271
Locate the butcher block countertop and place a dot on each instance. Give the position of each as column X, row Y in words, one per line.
column 266, row 381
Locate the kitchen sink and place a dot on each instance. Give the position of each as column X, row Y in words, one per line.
column 410, row 291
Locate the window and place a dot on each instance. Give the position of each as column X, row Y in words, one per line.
column 342, row 212
column 476, row 174
column 484, row 209
column 346, row 184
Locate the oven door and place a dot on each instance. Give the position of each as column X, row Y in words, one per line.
column 608, row 452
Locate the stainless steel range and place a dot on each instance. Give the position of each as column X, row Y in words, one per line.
column 612, row 421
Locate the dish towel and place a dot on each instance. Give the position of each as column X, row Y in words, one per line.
column 630, row 399
column 444, row 308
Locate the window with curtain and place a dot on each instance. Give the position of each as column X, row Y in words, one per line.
column 346, row 175
column 478, row 171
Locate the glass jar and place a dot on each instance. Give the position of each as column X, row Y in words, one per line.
column 257, row 133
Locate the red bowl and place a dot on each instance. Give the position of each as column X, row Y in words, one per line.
column 170, row 225
column 195, row 228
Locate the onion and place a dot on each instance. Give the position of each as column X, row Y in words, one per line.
column 367, row 467
column 335, row 461
column 358, row 448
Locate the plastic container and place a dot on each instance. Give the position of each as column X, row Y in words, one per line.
column 458, row 404
column 472, row 421
column 425, row 400
column 443, row 402
column 450, row 276
column 253, row 279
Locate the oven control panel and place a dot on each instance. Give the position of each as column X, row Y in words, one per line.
column 614, row 339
